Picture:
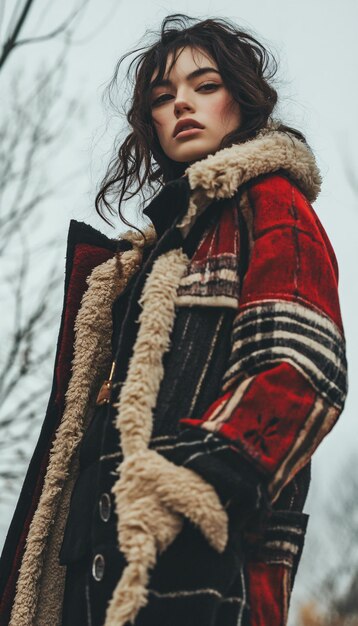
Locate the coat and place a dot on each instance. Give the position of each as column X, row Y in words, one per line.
column 230, row 368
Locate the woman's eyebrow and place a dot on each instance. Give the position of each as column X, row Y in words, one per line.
column 166, row 82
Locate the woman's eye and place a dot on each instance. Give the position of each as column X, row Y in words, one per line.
column 162, row 98
column 167, row 96
column 209, row 86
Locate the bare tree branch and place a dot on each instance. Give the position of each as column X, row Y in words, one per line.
column 13, row 40
column 32, row 129
column 57, row 31
column 10, row 44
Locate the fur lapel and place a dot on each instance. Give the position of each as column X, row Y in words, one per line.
column 221, row 174
column 150, row 488
column 92, row 356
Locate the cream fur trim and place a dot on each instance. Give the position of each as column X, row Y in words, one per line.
column 181, row 489
column 145, row 371
column 152, row 491
column 220, row 175
column 136, row 238
column 92, row 356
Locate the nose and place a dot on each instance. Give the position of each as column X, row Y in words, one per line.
column 182, row 104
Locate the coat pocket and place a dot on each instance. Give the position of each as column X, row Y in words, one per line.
column 272, row 563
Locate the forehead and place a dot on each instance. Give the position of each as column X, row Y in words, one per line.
column 186, row 60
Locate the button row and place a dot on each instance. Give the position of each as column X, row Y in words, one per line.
column 105, row 507
column 98, row 566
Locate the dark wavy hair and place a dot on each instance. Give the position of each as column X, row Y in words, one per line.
column 246, row 68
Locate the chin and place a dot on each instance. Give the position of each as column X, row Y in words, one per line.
column 192, row 155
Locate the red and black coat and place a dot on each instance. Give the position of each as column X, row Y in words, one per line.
column 248, row 380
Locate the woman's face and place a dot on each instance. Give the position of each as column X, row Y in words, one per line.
column 192, row 93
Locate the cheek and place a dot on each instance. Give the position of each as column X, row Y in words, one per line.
column 161, row 127
column 225, row 111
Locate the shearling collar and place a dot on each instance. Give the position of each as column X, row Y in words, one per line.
column 221, row 174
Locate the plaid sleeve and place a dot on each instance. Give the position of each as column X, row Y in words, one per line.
column 285, row 384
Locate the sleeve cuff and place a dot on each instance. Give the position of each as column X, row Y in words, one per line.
column 238, row 484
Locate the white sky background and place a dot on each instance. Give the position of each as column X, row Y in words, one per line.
column 316, row 43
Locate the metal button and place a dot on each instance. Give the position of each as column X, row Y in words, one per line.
column 105, row 507
column 98, row 567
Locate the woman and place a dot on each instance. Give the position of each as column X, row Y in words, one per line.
column 172, row 492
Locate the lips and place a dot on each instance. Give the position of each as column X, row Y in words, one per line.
column 185, row 125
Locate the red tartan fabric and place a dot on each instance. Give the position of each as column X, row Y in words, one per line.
column 259, row 422
column 212, row 272
column 219, row 239
column 268, row 594
column 290, row 258
column 285, row 385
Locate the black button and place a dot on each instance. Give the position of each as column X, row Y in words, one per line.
column 105, row 506
column 98, row 564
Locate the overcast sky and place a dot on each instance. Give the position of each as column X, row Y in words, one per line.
column 316, row 44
